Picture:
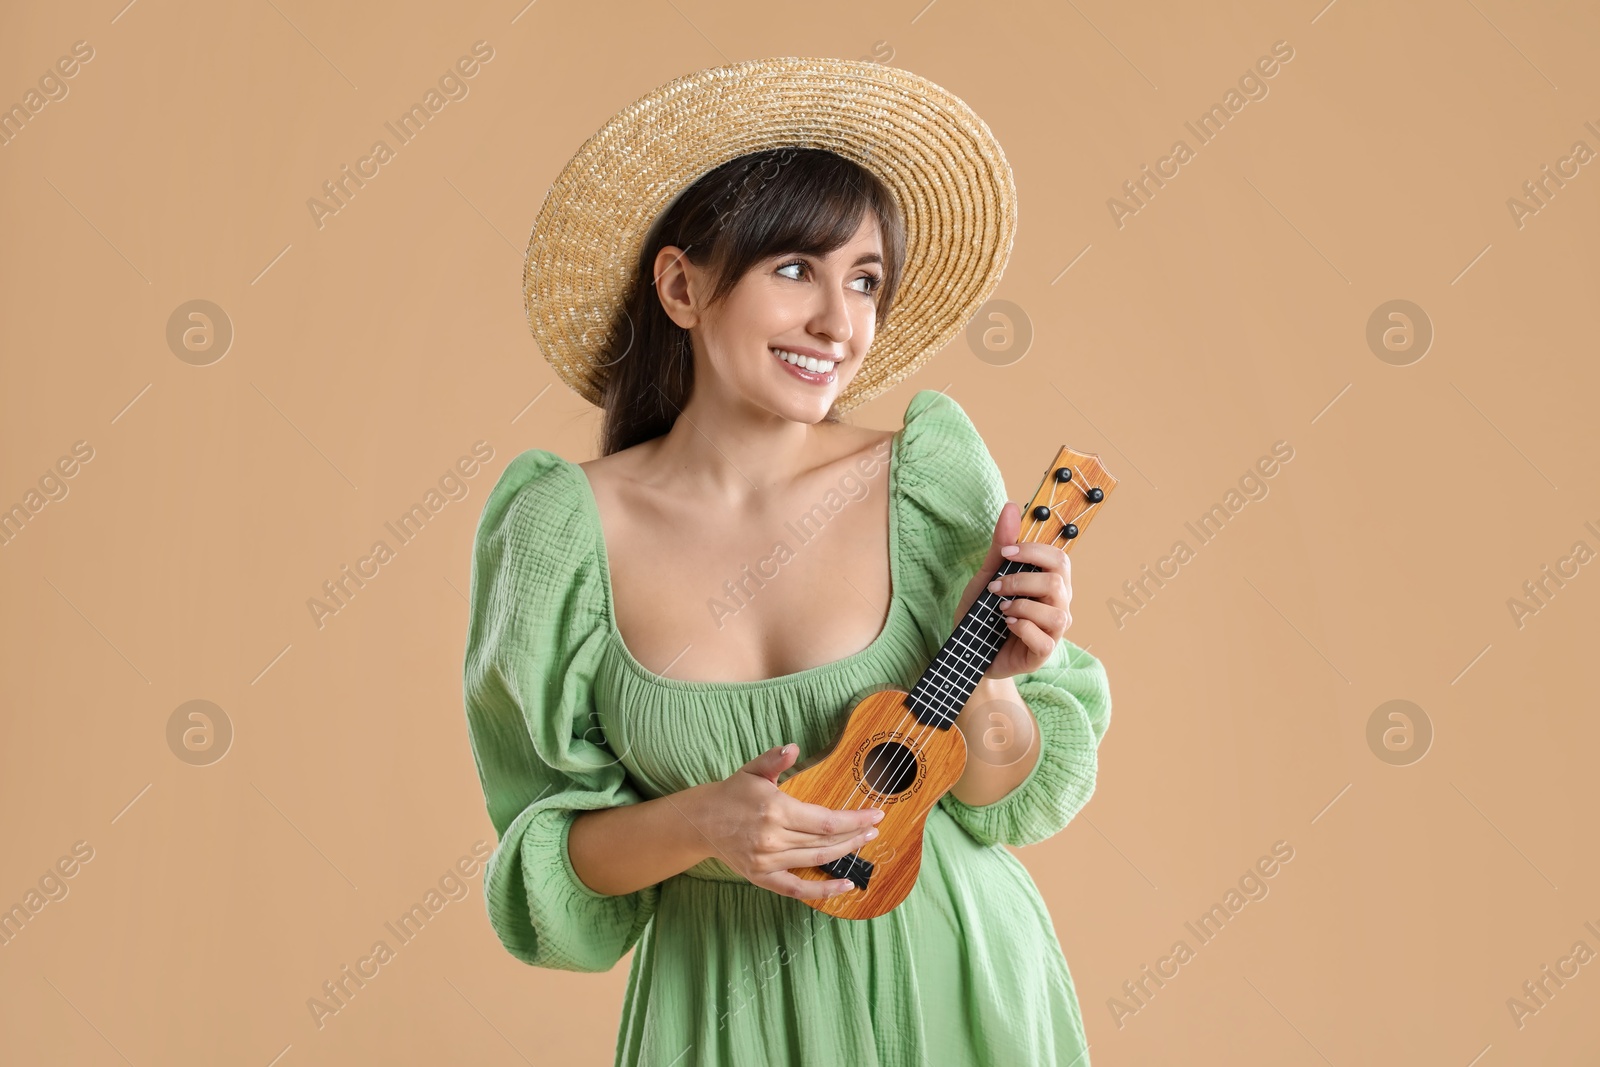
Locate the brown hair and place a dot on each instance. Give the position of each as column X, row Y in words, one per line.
column 767, row 203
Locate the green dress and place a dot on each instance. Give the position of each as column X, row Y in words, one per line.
column 563, row 719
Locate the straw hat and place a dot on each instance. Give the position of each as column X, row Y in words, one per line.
column 939, row 160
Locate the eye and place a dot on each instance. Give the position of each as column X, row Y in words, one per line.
column 873, row 281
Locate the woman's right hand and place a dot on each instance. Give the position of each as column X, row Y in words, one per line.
column 761, row 832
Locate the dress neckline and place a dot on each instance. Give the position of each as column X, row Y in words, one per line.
column 896, row 608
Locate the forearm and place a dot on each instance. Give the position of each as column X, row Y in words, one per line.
column 1002, row 742
column 622, row 849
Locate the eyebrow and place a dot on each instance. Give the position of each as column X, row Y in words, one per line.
column 863, row 258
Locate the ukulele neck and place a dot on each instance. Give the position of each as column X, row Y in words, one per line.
column 944, row 688
column 1067, row 501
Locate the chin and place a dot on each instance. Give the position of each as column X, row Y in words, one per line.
column 808, row 409
column 799, row 402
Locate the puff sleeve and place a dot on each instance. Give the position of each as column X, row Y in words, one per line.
column 534, row 642
column 953, row 492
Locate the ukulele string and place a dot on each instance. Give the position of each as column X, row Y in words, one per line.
column 915, row 746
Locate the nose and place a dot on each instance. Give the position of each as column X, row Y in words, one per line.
column 831, row 320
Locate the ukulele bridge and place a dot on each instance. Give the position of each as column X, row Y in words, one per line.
column 850, row 866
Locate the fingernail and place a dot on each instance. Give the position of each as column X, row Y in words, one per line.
column 877, row 815
column 872, row 833
column 994, row 586
column 1009, row 550
column 1004, row 604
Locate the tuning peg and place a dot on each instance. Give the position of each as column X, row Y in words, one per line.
column 1041, row 512
column 1063, row 474
column 1071, row 530
column 1096, row 495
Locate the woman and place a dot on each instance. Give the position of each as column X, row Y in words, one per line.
column 729, row 537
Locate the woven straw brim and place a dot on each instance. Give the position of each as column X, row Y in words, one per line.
column 940, row 161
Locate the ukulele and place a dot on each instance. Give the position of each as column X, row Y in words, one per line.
column 898, row 751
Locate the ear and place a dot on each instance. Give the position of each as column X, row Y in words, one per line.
column 673, row 274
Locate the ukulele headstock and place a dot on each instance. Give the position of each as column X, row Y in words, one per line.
column 1075, row 487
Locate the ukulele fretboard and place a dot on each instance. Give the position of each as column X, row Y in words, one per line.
column 955, row 672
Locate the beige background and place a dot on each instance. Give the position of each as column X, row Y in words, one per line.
column 1230, row 312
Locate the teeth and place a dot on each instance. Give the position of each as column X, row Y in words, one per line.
column 816, row 366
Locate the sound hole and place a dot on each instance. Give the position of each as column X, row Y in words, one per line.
column 890, row 768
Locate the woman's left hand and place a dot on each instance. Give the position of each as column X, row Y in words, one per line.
column 1040, row 601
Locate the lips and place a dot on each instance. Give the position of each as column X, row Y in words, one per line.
column 803, row 369
column 808, row 358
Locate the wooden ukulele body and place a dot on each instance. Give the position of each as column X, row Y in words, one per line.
column 884, row 759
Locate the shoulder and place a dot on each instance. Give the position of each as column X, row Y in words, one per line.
column 534, row 483
column 934, row 407
column 621, row 475
column 944, row 461
column 537, row 576
column 864, row 450
column 535, row 522
column 537, row 592
column 930, row 406
column 939, row 438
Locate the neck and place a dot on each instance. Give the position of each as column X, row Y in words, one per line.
column 731, row 451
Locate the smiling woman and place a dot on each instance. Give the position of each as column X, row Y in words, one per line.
column 725, row 269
